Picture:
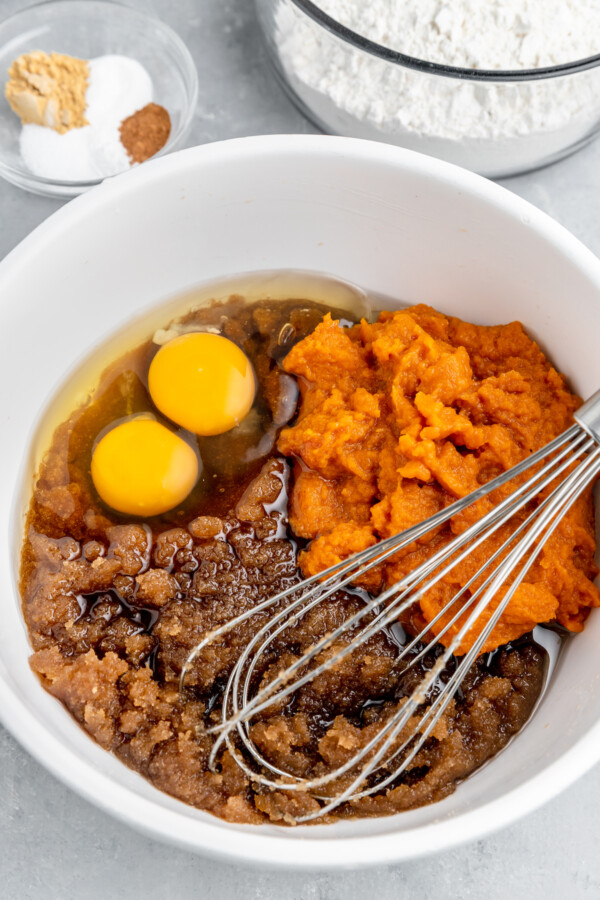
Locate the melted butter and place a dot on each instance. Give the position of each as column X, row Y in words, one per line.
column 81, row 379
column 111, row 385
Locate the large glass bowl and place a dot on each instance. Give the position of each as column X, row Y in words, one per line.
column 496, row 122
column 86, row 29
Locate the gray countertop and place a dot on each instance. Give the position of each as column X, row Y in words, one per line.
column 55, row 845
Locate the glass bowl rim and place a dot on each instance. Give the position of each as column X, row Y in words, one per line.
column 188, row 68
column 318, row 15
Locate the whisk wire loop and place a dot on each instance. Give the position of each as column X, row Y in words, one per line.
column 271, row 693
column 470, row 616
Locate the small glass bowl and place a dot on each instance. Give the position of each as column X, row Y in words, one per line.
column 87, row 29
column 495, row 122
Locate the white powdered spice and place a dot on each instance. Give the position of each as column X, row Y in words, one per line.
column 495, row 128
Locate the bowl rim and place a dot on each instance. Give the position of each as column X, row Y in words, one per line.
column 359, row 42
column 256, row 846
column 22, row 175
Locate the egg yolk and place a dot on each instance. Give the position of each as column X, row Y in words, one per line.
column 204, row 382
column 142, row 468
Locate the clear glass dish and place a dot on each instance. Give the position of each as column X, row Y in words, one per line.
column 495, row 122
column 86, row 29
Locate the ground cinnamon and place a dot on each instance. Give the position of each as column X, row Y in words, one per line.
column 145, row 132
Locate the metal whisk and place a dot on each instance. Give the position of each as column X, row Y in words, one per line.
column 565, row 467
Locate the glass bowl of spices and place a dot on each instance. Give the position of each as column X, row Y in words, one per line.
column 89, row 89
column 499, row 87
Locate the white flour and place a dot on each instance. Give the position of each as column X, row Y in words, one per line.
column 478, row 34
column 495, row 128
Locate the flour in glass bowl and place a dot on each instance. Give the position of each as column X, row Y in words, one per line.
column 477, row 34
column 496, row 128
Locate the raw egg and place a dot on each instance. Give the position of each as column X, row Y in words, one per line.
column 143, row 468
column 204, row 382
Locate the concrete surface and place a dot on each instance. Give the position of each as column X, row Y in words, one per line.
column 55, row 845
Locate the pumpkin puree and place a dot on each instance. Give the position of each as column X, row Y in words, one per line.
column 400, row 418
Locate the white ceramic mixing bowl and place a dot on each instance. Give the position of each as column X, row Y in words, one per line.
column 394, row 222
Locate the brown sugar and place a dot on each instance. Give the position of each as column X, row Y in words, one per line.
column 145, row 132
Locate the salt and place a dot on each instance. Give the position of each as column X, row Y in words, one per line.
column 118, row 87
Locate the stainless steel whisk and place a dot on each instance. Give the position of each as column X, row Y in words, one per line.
column 577, row 449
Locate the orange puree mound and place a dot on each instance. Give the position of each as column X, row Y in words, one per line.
column 400, row 418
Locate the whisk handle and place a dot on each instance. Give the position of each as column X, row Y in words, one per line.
column 588, row 416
